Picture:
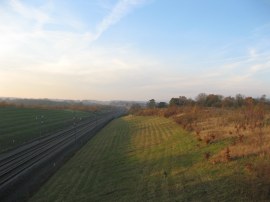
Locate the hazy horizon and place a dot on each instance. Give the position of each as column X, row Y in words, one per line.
column 133, row 49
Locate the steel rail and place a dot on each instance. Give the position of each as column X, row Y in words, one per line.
column 14, row 164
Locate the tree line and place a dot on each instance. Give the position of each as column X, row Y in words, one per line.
column 210, row 100
column 51, row 104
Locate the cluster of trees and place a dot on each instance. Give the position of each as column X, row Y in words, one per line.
column 209, row 100
column 152, row 104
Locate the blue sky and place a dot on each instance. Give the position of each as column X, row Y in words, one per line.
column 134, row 49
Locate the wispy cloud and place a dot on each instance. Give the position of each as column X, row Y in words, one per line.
column 63, row 58
column 120, row 10
column 26, row 38
column 35, row 57
column 39, row 15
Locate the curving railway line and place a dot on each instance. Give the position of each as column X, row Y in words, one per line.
column 19, row 166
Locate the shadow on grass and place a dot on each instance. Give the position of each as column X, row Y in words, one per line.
column 228, row 188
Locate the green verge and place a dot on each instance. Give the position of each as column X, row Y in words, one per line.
column 146, row 159
column 19, row 125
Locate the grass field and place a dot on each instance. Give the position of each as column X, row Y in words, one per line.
column 19, row 125
column 150, row 159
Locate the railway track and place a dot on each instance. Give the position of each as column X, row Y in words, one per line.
column 21, row 161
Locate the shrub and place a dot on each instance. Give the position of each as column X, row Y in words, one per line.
column 170, row 111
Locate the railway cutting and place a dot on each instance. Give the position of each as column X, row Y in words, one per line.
column 24, row 169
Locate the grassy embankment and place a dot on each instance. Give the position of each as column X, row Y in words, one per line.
column 150, row 159
column 19, row 125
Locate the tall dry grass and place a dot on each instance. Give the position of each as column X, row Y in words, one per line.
column 245, row 132
column 246, row 128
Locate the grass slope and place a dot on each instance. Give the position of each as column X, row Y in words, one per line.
column 18, row 125
column 146, row 159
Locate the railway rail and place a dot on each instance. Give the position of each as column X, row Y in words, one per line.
column 21, row 161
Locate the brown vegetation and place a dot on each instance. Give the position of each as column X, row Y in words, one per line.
column 241, row 124
column 60, row 106
column 245, row 126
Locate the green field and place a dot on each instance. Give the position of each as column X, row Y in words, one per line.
column 147, row 159
column 19, row 125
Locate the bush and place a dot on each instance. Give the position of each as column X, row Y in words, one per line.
column 171, row 111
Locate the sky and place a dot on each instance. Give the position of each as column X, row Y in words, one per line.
column 134, row 49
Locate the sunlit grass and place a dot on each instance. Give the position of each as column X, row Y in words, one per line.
column 147, row 159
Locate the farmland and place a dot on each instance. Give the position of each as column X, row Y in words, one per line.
column 19, row 125
column 147, row 158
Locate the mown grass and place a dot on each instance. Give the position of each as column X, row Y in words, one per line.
column 149, row 159
column 19, row 125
